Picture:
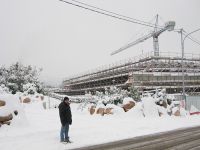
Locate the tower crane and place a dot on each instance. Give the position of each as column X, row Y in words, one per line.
column 169, row 26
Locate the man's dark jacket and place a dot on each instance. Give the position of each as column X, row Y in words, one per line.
column 65, row 113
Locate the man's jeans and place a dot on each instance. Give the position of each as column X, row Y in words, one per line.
column 64, row 132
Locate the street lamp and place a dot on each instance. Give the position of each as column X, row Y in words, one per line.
column 182, row 65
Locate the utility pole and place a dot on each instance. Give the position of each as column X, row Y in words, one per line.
column 182, row 66
column 182, row 63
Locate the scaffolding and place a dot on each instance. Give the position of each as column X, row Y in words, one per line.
column 145, row 72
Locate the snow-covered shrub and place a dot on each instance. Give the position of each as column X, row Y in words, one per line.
column 29, row 88
column 3, row 89
column 13, row 87
column 115, row 95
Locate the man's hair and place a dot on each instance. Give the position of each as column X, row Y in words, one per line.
column 65, row 98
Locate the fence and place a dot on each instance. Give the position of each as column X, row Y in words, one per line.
column 192, row 100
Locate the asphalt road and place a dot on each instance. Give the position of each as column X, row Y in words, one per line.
column 181, row 139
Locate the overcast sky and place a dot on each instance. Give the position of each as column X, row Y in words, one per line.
column 65, row 40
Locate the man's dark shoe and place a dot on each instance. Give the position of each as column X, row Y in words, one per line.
column 67, row 141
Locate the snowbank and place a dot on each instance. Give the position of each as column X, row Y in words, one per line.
column 43, row 125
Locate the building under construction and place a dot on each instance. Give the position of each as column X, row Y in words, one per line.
column 146, row 72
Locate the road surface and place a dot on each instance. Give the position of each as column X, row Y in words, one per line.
column 181, row 139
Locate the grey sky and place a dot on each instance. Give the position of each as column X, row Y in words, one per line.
column 65, row 40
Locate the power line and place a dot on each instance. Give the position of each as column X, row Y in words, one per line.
column 143, row 31
column 197, row 42
column 111, row 15
column 120, row 17
column 114, row 13
column 191, row 38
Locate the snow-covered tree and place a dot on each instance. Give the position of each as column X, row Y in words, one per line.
column 113, row 95
column 18, row 75
column 133, row 92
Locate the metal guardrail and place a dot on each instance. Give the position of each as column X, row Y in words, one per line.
column 74, row 99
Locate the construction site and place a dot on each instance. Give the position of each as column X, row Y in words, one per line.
column 176, row 72
column 146, row 72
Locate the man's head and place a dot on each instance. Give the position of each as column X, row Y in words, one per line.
column 66, row 100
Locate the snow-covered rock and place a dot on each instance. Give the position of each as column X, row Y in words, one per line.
column 2, row 103
column 128, row 103
column 136, row 111
column 12, row 108
column 179, row 111
column 126, row 100
column 116, row 109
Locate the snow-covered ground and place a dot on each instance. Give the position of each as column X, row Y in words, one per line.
column 36, row 128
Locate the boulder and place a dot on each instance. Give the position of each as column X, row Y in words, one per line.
column 100, row 111
column 177, row 113
column 6, row 118
column 42, row 97
column 92, row 110
column 6, row 122
column 160, row 114
column 108, row 111
column 128, row 106
column 2, row 103
column 27, row 100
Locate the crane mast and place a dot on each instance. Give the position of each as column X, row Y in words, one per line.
column 155, row 39
column 169, row 26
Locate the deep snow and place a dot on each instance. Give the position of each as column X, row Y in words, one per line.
column 36, row 128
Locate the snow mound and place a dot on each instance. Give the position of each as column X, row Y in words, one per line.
column 150, row 108
column 162, row 111
column 12, row 103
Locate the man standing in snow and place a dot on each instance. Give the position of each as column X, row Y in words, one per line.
column 65, row 119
